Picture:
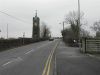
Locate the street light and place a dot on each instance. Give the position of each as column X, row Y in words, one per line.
column 63, row 25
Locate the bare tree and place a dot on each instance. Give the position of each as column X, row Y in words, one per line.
column 45, row 32
column 84, row 33
column 72, row 33
column 72, row 19
column 96, row 28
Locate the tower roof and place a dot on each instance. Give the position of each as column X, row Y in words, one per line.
column 36, row 17
column 36, row 14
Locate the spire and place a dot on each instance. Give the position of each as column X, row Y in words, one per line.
column 36, row 14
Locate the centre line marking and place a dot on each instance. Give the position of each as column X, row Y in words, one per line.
column 47, row 67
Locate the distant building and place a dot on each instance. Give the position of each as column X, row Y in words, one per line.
column 36, row 27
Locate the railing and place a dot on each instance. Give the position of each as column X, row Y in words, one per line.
column 91, row 45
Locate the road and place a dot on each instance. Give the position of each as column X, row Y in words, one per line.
column 27, row 60
column 47, row 58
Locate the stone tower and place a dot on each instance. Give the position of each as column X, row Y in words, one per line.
column 36, row 27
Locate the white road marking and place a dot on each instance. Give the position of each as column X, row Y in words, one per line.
column 11, row 61
column 7, row 63
column 44, row 45
column 19, row 58
column 38, row 48
column 29, row 51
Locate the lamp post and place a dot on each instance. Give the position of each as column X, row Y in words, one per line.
column 63, row 25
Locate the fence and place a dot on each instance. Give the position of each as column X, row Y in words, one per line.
column 91, row 45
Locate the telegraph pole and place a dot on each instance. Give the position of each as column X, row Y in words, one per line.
column 79, row 19
column 0, row 31
column 7, row 31
column 63, row 26
column 79, row 37
column 23, row 38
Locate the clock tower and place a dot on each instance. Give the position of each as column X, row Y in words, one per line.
column 36, row 27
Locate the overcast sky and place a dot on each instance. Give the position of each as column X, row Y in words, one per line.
column 50, row 11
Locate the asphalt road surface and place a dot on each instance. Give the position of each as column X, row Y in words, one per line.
column 47, row 58
column 28, row 60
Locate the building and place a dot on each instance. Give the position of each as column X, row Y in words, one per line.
column 36, row 27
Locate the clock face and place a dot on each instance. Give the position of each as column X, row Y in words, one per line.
column 35, row 24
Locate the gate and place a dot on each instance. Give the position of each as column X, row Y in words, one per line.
column 91, row 45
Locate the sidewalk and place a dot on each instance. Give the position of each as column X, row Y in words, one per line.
column 97, row 56
column 69, row 61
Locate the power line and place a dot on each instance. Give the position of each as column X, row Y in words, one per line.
column 13, row 17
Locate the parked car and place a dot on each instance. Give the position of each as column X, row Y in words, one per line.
column 51, row 39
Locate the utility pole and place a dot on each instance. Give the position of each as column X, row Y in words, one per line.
column 0, row 31
column 63, row 25
column 23, row 38
column 7, row 31
column 79, row 19
column 79, row 37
